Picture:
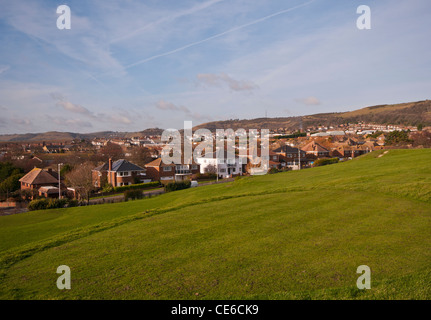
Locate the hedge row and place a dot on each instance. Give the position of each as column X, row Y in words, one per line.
column 324, row 162
column 133, row 194
column 173, row 186
column 42, row 204
column 139, row 186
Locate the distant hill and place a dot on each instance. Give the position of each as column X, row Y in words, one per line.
column 411, row 114
column 68, row 136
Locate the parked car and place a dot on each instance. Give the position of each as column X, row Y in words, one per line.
column 193, row 184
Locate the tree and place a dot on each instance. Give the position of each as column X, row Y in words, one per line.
column 113, row 151
column 7, row 169
column 11, row 183
column 422, row 138
column 140, row 156
column 211, row 169
column 66, row 169
column 397, row 138
column 81, row 179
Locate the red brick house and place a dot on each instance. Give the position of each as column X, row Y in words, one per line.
column 118, row 173
column 289, row 156
column 315, row 149
column 158, row 171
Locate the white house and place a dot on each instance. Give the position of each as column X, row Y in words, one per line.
column 225, row 167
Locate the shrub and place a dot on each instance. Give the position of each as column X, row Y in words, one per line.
column 73, row 203
column 56, row 203
column 206, row 176
column 173, row 186
column 273, row 170
column 38, row 204
column 324, row 162
column 132, row 194
column 42, row 204
column 108, row 188
column 140, row 186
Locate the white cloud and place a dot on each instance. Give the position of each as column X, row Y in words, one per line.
column 217, row 80
column 168, row 106
column 120, row 118
column 70, row 123
column 310, row 101
column 164, row 105
column 20, row 121
column 69, row 106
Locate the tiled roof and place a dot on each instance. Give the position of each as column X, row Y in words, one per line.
column 286, row 149
column 124, row 165
column 38, row 176
column 103, row 167
column 119, row 165
column 157, row 163
column 314, row 146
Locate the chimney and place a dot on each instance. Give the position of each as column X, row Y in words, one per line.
column 110, row 164
column 49, row 170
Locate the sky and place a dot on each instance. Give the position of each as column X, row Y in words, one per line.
column 130, row 65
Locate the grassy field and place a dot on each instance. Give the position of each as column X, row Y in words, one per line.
column 294, row 235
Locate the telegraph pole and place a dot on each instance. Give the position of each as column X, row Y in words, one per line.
column 59, row 182
column 299, row 157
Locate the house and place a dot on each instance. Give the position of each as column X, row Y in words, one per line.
column 118, row 173
column 315, row 149
column 42, row 181
column 159, row 171
column 223, row 167
column 272, row 160
column 289, row 156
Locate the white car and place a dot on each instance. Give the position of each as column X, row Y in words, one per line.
column 193, row 184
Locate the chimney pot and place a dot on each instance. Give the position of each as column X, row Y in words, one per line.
column 110, row 164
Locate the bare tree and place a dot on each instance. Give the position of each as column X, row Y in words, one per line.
column 112, row 150
column 81, row 179
column 140, row 156
column 211, row 169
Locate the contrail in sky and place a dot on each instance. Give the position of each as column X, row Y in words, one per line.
column 217, row 35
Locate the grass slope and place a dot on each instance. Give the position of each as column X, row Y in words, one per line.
column 295, row 235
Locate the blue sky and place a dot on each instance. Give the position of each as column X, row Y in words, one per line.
column 131, row 65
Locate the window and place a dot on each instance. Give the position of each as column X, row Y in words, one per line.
column 194, row 167
column 167, row 169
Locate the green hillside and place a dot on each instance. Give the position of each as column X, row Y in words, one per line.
column 294, row 235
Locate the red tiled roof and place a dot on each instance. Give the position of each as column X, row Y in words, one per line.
column 38, row 176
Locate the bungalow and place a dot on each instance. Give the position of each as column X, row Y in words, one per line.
column 42, row 181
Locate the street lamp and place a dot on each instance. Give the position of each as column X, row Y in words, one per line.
column 59, row 181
